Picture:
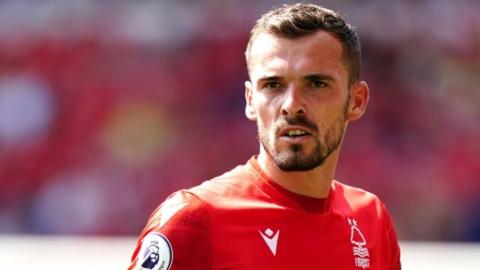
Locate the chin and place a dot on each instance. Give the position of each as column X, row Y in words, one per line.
column 296, row 160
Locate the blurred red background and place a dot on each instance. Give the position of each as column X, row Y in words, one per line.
column 106, row 108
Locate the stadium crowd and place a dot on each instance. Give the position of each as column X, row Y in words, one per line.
column 107, row 108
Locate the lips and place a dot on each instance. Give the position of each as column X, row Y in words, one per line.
column 295, row 129
column 294, row 132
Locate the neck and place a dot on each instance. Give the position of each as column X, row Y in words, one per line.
column 313, row 183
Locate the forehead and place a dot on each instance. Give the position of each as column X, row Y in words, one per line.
column 320, row 52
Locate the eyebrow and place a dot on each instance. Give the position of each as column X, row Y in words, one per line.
column 321, row 77
column 269, row 78
column 311, row 77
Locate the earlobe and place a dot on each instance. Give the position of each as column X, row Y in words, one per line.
column 249, row 109
column 359, row 96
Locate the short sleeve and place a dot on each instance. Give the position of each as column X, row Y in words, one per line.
column 392, row 242
column 176, row 236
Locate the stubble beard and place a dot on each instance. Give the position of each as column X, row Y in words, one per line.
column 295, row 158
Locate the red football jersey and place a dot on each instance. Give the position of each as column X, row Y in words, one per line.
column 243, row 220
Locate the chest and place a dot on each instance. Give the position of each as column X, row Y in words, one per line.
column 284, row 239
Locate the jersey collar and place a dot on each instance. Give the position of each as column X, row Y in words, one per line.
column 284, row 196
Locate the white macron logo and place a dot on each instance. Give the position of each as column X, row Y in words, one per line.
column 271, row 238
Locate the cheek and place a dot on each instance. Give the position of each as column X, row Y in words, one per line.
column 262, row 125
column 265, row 124
column 266, row 113
column 265, row 117
column 260, row 109
column 325, row 115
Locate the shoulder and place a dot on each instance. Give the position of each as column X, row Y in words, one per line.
column 179, row 225
column 229, row 184
column 176, row 207
column 349, row 198
column 181, row 211
column 182, row 224
column 192, row 203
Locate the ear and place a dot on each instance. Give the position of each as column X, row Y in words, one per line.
column 249, row 109
column 359, row 95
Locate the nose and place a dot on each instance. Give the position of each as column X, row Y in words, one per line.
column 293, row 103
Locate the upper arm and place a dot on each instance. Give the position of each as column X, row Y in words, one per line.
column 178, row 234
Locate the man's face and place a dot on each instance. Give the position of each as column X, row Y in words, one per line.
column 299, row 97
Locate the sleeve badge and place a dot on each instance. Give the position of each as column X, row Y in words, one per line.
column 155, row 253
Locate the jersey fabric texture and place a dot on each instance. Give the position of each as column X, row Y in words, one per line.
column 244, row 220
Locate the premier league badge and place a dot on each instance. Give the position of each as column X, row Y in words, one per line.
column 156, row 252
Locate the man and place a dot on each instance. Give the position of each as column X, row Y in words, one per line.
column 282, row 209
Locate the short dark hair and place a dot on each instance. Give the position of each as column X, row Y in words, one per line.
column 298, row 20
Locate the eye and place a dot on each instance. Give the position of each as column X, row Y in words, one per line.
column 272, row 85
column 317, row 84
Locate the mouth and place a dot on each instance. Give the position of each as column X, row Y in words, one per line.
column 293, row 133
